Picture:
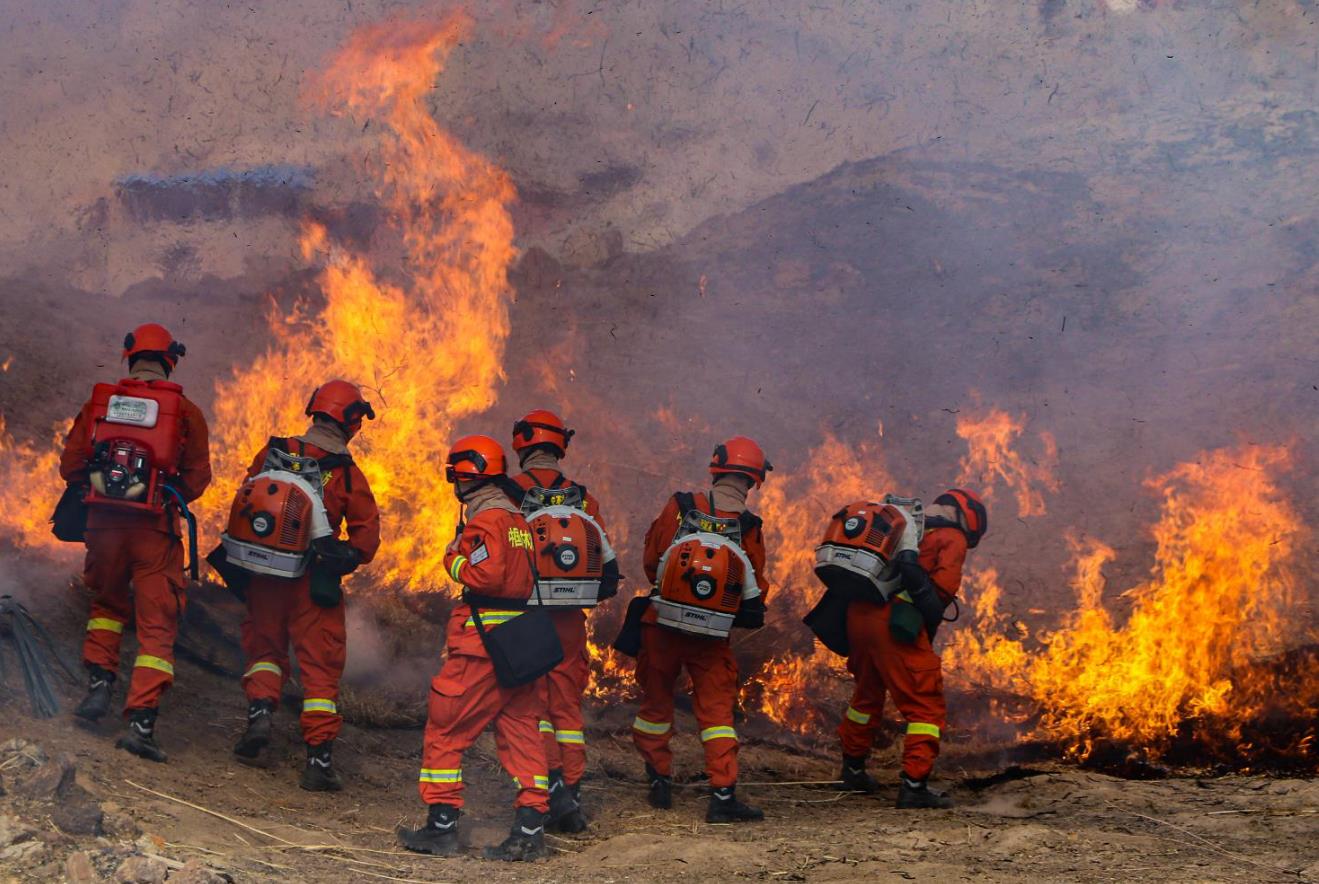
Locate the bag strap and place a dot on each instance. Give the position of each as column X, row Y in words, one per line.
column 474, row 601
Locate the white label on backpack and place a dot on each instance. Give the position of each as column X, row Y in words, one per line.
column 132, row 410
column 479, row 555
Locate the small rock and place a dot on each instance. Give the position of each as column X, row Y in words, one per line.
column 119, row 825
column 14, row 831
column 48, row 781
column 142, row 870
column 78, row 868
column 195, row 872
column 83, row 817
column 25, row 852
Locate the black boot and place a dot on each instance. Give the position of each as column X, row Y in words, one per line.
column 525, row 841
column 565, row 806
column 918, row 794
column 661, row 789
column 854, row 777
column 97, row 702
column 319, row 774
column 260, row 723
column 725, row 808
column 439, row 836
column 141, row 736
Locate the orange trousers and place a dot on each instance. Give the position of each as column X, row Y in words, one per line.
column 464, row 698
column 562, row 725
column 153, row 561
column 280, row 611
column 710, row 663
column 912, row 673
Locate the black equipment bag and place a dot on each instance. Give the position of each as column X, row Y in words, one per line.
column 828, row 620
column 629, row 636
column 522, row 649
column 69, row 521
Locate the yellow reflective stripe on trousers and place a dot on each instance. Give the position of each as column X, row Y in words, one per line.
column 571, row 738
column 857, row 716
column 538, row 782
column 457, row 566
column 149, row 662
column 263, row 666
column 436, row 775
column 546, row 727
column 105, row 623
column 651, row 727
column 928, row 730
column 494, row 618
column 319, row 704
column 723, row 732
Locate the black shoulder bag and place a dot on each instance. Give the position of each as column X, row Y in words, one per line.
column 522, row 649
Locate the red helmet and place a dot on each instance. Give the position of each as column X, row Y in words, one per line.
column 973, row 512
column 740, row 455
column 474, row 457
column 541, row 427
column 153, row 338
column 342, row 403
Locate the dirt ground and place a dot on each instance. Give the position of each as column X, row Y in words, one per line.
column 202, row 815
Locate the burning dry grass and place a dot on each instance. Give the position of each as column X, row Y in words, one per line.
column 1195, row 659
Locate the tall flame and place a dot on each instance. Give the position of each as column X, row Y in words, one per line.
column 1188, row 654
column 428, row 349
column 992, row 457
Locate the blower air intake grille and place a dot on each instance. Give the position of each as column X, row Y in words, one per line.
column 292, row 523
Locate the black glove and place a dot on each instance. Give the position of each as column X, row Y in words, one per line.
column 336, row 557
column 912, row 574
column 751, row 613
column 609, row 581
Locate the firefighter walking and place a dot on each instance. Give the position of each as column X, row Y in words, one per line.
column 303, row 606
column 540, row 440
column 705, row 554
column 491, row 558
column 888, row 659
column 137, row 453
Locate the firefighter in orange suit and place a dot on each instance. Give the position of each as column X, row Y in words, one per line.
column 737, row 466
column 491, row 558
column 309, row 610
column 911, row 671
column 143, row 547
column 541, row 441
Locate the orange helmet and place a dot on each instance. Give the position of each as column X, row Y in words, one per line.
column 740, row 455
column 474, row 457
column 153, row 338
column 342, row 403
column 972, row 509
column 541, row 427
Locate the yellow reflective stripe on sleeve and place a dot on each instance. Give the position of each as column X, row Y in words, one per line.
column 571, row 738
column 263, row 666
column 723, row 732
column 105, row 623
column 319, row 704
column 436, row 775
column 147, row 661
column 457, row 566
column 546, row 727
column 651, row 727
column 856, row 716
column 917, row 727
column 494, row 618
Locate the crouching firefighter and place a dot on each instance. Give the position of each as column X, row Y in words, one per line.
column 499, row 649
column 705, row 556
column 891, row 570
column 284, row 551
column 137, row 455
column 576, row 570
